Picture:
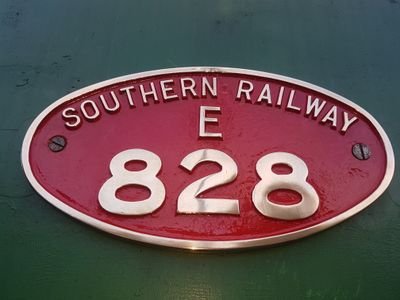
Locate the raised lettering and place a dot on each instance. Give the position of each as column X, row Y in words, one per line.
column 205, row 85
column 127, row 90
column 280, row 96
column 189, row 88
column 167, row 90
column 314, row 107
column 71, row 113
column 152, row 93
column 331, row 116
column 265, row 95
column 204, row 120
column 347, row 122
column 243, row 90
column 105, row 104
column 95, row 110
column 290, row 102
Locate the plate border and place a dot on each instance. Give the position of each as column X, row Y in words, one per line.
column 203, row 244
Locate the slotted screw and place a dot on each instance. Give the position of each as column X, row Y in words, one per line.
column 57, row 143
column 361, row 151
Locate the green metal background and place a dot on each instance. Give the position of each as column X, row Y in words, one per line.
column 49, row 48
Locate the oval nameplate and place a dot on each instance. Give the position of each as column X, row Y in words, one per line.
column 207, row 158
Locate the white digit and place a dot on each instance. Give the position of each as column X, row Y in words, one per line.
column 188, row 203
column 123, row 177
column 295, row 181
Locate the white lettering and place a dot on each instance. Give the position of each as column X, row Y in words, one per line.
column 152, row 92
column 205, row 84
column 331, row 116
column 265, row 94
column 204, row 120
column 347, row 122
column 72, row 115
column 165, row 90
column 290, row 102
column 243, row 90
column 190, row 87
column 280, row 96
column 105, row 104
column 95, row 109
column 127, row 90
column 315, row 107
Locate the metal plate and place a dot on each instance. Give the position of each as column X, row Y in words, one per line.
column 207, row 158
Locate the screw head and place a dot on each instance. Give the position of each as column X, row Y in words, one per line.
column 57, row 143
column 361, row 151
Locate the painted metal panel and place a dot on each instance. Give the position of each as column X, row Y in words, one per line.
column 50, row 48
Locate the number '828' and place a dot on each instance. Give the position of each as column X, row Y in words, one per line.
column 188, row 200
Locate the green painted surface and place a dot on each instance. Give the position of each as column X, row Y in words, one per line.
column 49, row 48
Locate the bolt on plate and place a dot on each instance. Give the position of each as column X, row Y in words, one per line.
column 57, row 143
column 361, row 151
